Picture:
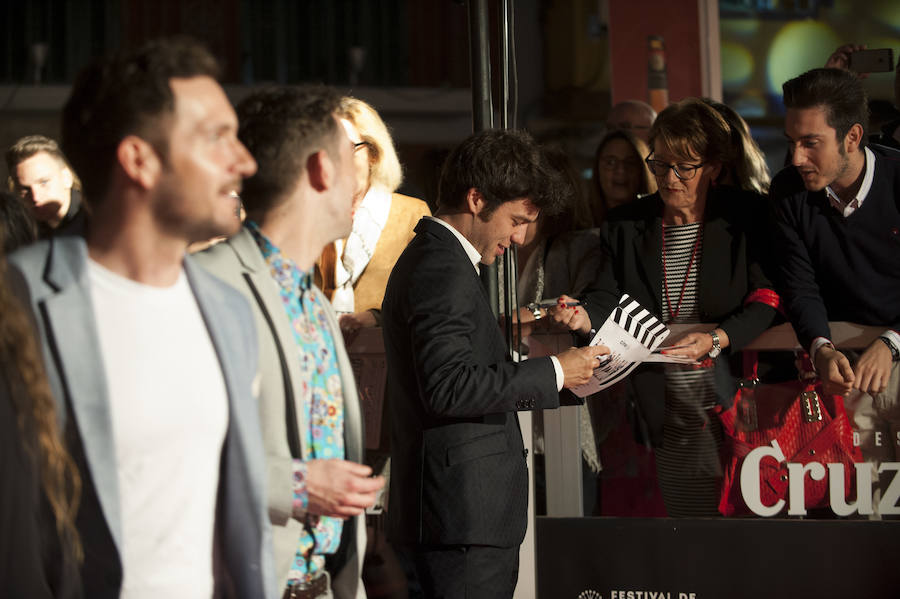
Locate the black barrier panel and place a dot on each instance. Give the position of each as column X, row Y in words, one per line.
column 662, row 558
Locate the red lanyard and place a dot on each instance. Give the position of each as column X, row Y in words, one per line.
column 674, row 315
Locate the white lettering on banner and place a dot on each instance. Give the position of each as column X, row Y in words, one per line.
column 888, row 503
column 857, row 439
column 618, row 594
column 796, row 472
column 839, row 505
column 796, row 485
column 750, row 479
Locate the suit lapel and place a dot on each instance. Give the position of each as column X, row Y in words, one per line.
column 214, row 308
column 716, row 235
column 439, row 231
column 353, row 423
column 259, row 277
column 457, row 252
column 74, row 345
column 648, row 250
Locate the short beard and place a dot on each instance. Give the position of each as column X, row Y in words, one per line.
column 844, row 163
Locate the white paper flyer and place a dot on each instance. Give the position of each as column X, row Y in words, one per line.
column 632, row 335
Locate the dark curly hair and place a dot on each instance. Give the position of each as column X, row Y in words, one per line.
column 503, row 165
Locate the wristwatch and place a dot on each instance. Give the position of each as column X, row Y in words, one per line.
column 716, row 348
column 895, row 354
column 535, row 309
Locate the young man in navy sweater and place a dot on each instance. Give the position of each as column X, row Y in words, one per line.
column 837, row 227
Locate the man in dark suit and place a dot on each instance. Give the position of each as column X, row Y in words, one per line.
column 458, row 500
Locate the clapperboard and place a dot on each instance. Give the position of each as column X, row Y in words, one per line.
column 631, row 333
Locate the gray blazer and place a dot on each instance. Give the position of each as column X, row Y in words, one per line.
column 239, row 262
column 51, row 278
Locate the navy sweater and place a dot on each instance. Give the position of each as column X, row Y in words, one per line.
column 836, row 268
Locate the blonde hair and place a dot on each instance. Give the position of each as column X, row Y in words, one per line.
column 384, row 166
column 748, row 170
column 31, row 145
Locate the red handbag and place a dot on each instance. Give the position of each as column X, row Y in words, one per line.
column 807, row 424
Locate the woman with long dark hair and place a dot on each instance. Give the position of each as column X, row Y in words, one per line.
column 39, row 484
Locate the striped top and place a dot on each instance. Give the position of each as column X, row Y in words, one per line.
column 678, row 255
column 688, row 462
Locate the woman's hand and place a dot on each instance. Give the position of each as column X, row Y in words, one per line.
column 573, row 318
column 696, row 345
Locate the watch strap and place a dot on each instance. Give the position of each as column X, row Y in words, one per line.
column 895, row 353
column 717, row 344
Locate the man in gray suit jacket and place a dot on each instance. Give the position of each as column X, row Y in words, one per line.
column 150, row 358
column 299, row 201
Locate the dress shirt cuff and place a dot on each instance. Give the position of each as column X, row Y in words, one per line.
column 892, row 336
column 560, row 377
column 817, row 343
column 301, row 498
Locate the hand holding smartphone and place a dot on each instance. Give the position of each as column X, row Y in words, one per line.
column 880, row 60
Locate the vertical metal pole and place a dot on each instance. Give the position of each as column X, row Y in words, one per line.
column 509, row 258
column 504, row 63
column 480, row 60
column 482, row 109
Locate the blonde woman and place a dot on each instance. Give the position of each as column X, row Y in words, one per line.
column 354, row 272
column 747, row 169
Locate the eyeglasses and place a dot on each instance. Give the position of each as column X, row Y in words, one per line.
column 683, row 171
column 611, row 163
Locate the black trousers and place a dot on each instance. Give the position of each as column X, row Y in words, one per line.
column 466, row 571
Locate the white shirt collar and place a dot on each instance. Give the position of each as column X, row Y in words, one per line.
column 474, row 255
column 847, row 208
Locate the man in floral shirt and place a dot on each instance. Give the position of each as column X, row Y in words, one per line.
column 300, row 201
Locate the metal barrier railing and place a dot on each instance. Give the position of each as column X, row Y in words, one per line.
column 562, row 443
column 562, row 439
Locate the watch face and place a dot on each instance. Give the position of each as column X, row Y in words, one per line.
column 716, row 348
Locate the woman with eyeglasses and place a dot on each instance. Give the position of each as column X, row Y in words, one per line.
column 694, row 252
column 353, row 272
column 620, row 174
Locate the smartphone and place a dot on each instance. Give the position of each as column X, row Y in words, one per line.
column 872, row 61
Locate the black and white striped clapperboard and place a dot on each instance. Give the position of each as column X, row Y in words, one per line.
column 639, row 323
column 631, row 333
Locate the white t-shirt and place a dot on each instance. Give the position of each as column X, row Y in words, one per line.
column 169, row 414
